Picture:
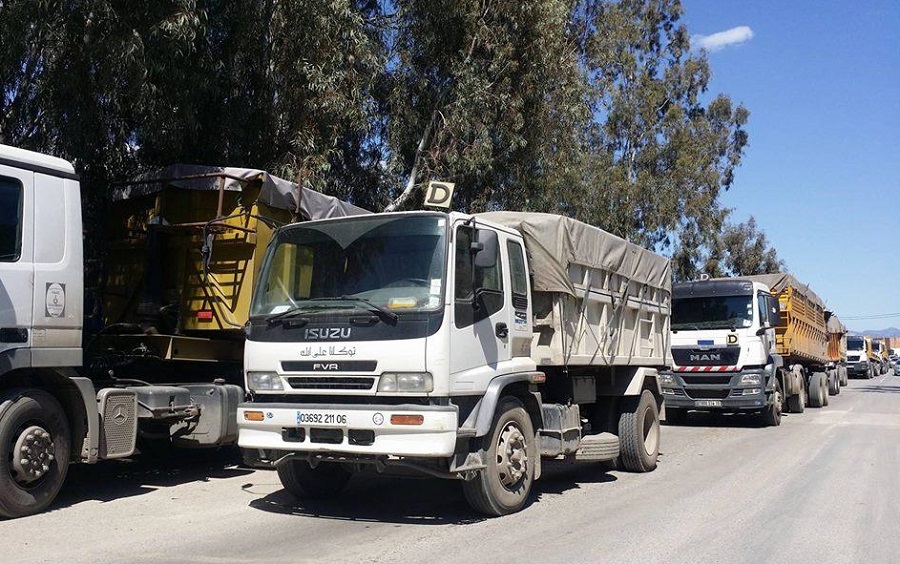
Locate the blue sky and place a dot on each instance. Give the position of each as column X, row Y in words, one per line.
column 822, row 173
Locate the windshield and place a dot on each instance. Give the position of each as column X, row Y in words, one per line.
column 855, row 344
column 715, row 312
column 394, row 263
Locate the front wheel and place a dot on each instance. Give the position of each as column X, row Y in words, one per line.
column 639, row 433
column 511, row 452
column 34, row 437
column 771, row 416
column 301, row 480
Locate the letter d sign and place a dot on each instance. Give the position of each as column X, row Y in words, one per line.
column 439, row 194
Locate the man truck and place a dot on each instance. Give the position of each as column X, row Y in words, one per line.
column 753, row 344
column 458, row 346
column 163, row 363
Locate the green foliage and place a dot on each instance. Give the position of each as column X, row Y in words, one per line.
column 594, row 109
column 743, row 250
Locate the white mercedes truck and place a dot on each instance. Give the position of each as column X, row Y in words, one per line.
column 459, row 346
column 163, row 366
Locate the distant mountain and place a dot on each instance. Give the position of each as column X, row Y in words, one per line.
column 889, row 332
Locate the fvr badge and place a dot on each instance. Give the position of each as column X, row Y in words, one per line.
column 439, row 194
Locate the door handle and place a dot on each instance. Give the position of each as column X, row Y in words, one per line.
column 501, row 330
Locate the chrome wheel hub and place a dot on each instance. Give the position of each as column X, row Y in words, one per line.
column 32, row 454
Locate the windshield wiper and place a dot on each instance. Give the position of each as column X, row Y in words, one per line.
column 276, row 317
column 386, row 315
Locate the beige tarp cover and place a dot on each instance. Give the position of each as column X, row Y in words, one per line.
column 834, row 325
column 554, row 242
column 779, row 281
column 276, row 192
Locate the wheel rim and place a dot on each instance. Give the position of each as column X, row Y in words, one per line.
column 512, row 456
column 650, row 432
column 777, row 402
column 32, row 455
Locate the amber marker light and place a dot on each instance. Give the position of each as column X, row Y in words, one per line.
column 407, row 419
column 254, row 416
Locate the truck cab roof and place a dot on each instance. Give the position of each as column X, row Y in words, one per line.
column 36, row 162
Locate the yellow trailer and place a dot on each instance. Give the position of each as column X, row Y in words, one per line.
column 801, row 336
column 837, row 347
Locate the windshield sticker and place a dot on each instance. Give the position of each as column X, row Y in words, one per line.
column 280, row 309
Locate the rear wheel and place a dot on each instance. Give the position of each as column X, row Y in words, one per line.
column 845, row 379
column 639, row 433
column 34, row 438
column 511, row 451
column 797, row 402
column 301, row 480
column 817, row 393
column 771, row 415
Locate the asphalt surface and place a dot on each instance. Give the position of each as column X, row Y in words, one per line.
column 823, row 487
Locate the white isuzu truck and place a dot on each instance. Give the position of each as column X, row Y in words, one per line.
column 459, row 346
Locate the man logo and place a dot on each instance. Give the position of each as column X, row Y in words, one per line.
column 699, row 357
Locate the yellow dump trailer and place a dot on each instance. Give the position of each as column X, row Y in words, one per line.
column 837, row 347
column 801, row 336
column 801, row 332
column 185, row 244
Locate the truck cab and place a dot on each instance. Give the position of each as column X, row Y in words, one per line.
column 858, row 360
column 723, row 348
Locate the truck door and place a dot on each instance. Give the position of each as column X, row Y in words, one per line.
column 16, row 264
column 480, row 336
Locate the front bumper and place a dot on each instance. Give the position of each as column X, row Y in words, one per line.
column 719, row 391
column 349, row 429
column 857, row 368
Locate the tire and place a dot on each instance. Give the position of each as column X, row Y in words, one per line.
column 797, row 402
column 817, row 392
column 771, row 415
column 639, row 433
column 834, row 381
column 845, row 379
column 675, row 416
column 35, row 421
column 511, row 452
column 302, row 481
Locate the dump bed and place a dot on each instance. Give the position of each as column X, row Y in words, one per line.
column 597, row 299
column 187, row 241
column 837, row 339
column 801, row 332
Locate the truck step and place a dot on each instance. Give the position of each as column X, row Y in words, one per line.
column 596, row 448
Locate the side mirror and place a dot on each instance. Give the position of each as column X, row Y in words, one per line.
column 485, row 248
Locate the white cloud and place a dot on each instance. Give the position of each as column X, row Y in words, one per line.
column 722, row 39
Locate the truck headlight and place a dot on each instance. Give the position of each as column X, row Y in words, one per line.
column 264, row 381
column 665, row 378
column 751, row 379
column 406, row 382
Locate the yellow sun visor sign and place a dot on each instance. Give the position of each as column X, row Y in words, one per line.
column 439, row 194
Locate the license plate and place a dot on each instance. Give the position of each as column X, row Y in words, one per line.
column 708, row 403
column 322, row 418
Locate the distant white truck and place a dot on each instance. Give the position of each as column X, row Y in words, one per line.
column 459, row 346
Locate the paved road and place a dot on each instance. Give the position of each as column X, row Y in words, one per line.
column 823, row 487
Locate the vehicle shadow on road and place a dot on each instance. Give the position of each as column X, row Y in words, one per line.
column 422, row 501
column 116, row 479
column 878, row 389
column 714, row 419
